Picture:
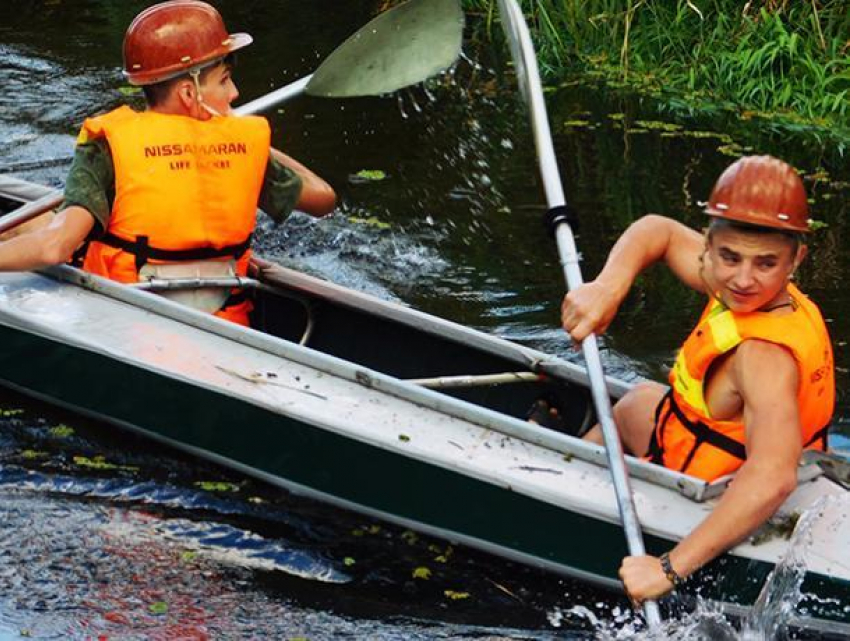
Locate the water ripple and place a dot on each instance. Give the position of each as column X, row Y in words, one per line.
column 224, row 543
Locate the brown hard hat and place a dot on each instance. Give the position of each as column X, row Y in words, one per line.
column 171, row 38
column 763, row 191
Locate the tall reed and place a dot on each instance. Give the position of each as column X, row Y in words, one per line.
column 786, row 57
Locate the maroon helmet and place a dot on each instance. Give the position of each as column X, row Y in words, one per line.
column 762, row 191
column 172, row 38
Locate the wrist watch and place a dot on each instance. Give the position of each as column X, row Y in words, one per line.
column 669, row 572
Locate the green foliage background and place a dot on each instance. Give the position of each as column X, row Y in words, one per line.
column 782, row 59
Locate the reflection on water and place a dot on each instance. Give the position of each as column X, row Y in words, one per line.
column 89, row 570
column 452, row 228
column 127, row 541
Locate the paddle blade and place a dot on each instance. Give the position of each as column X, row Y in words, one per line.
column 401, row 47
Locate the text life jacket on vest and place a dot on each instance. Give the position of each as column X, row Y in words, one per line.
column 185, row 190
column 687, row 439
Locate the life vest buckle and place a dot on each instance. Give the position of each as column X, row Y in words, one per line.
column 205, row 299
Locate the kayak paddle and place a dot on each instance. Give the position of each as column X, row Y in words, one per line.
column 560, row 216
column 401, row 47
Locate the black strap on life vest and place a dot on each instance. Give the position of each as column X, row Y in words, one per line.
column 821, row 435
column 702, row 434
column 237, row 297
column 655, row 451
column 143, row 251
column 79, row 255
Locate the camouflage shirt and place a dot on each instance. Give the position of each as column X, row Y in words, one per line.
column 91, row 185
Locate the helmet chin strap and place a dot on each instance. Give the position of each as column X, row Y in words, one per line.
column 196, row 78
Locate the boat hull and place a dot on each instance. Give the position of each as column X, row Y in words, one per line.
column 320, row 402
column 315, row 458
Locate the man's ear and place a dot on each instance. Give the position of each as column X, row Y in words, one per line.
column 186, row 93
column 802, row 252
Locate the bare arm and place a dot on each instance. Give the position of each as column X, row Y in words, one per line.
column 591, row 308
column 766, row 377
column 317, row 196
column 53, row 244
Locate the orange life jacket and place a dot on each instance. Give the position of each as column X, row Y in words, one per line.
column 687, row 439
column 185, row 190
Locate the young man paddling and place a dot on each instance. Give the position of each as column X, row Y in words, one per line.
column 172, row 191
column 753, row 384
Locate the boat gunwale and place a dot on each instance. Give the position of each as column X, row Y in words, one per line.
column 690, row 487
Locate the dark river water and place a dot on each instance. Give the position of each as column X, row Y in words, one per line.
column 104, row 536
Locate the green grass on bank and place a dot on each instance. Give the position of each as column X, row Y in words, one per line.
column 782, row 59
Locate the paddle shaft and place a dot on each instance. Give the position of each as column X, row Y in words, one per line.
column 526, row 64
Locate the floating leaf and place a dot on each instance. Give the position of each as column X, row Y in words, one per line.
column 658, row 125
column 128, row 90
column 404, row 438
column 409, row 536
column 217, row 486
column 374, row 529
column 158, row 607
column 348, row 561
column 96, row 463
column 734, row 150
column 708, row 134
column 456, row 596
column 371, row 174
column 99, row 462
column 422, row 573
column 815, row 225
column 62, row 431
column 33, row 454
column 820, row 175
column 7, row 413
column 442, row 557
column 357, row 532
column 371, row 222
column 576, row 123
column 188, row 556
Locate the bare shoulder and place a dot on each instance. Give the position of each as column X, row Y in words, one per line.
column 764, row 369
column 755, row 350
column 766, row 377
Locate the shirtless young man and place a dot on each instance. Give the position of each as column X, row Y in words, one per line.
column 753, row 384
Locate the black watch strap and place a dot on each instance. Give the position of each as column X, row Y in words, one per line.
column 669, row 572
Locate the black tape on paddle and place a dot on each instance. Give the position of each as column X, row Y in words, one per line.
column 560, row 214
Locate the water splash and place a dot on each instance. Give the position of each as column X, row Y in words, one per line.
column 379, row 259
column 776, row 613
column 400, row 100
column 823, row 524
